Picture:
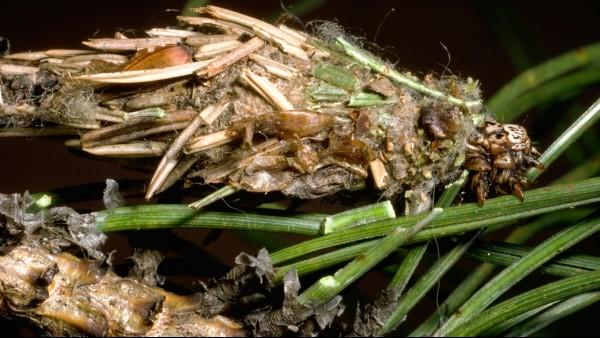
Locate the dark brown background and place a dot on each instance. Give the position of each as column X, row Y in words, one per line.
column 412, row 36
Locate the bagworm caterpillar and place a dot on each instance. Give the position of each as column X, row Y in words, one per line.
column 234, row 100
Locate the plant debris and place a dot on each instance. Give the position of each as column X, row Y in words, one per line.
column 248, row 282
column 111, row 196
column 264, row 108
column 294, row 318
column 374, row 315
column 57, row 227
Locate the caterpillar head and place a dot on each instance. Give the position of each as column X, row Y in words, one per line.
column 498, row 157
